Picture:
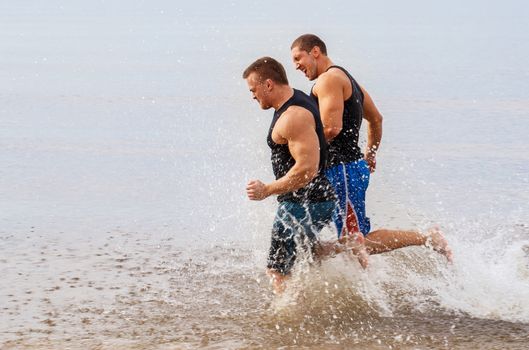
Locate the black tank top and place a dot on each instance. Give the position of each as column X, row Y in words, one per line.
column 344, row 147
column 319, row 189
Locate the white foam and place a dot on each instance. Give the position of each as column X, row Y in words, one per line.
column 489, row 278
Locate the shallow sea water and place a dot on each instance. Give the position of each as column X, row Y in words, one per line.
column 126, row 291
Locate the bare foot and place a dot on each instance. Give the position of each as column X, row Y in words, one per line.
column 277, row 280
column 355, row 244
column 437, row 241
column 362, row 256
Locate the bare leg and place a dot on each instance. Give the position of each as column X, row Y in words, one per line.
column 383, row 240
column 277, row 280
column 329, row 249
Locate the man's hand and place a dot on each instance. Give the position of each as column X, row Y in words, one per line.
column 256, row 190
column 374, row 130
column 371, row 159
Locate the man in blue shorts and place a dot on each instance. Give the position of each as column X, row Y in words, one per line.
column 343, row 103
column 299, row 150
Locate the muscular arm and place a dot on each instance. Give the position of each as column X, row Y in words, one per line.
column 374, row 130
column 329, row 91
column 298, row 130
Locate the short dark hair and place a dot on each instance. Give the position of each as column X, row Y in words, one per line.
column 307, row 41
column 267, row 68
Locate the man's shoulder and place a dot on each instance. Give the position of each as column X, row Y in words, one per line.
column 296, row 114
column 331, row 79
column 294, row 119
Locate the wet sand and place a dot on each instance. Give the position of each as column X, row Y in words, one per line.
column 131, row 291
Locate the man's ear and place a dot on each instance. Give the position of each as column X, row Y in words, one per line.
column 316, row 52
column 269, row 84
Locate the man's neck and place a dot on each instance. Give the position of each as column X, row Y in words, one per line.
column 325, row 63
column 284, row 93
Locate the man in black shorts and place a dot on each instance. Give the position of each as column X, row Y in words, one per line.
column 299, row 150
